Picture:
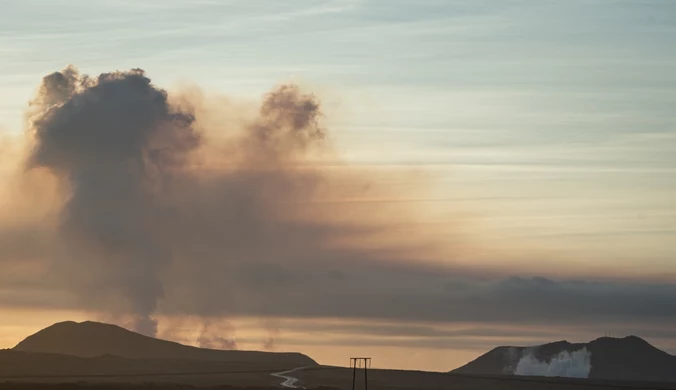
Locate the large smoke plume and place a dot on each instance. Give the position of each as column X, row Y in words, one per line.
column 139, row 205
column 117, row 144
column 185, row 205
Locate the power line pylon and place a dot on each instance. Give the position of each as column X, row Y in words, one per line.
column 356, row 362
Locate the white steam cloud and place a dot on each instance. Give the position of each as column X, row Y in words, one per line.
column 576, row 364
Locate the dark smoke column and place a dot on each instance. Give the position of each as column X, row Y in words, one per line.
column 116, row 143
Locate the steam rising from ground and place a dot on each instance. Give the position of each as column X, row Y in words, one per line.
column 141, row 202
column 576, row 364
column 214, row 339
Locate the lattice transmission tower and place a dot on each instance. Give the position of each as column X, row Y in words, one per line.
column 360, row 362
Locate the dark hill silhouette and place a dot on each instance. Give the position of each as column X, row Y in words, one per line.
column 94, row 339
column 630, row 358
column 35, row 367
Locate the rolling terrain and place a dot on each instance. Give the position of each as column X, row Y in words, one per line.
column 95, row 352
column 93, row 339
column 89, row 355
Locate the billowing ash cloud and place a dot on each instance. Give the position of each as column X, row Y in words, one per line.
column 117, row 144
column 160, row 207
column 576, row 364
column 135, row 203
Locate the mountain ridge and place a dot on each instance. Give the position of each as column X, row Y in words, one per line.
column 90, row 339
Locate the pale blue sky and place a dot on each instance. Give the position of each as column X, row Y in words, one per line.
column 551, row 122
column 561, row 110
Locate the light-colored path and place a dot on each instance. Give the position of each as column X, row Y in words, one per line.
column 289, row 381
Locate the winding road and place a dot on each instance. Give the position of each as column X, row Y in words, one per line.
column 289, row 381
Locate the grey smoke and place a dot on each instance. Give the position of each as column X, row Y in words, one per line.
column 576, row 364
column 177, row 206
column 154, row 211
column 213, row 338
column 270, row 342
column 117, row 144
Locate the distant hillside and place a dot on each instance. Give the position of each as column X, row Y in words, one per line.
column 19, row 364
column 630, row 358
column 34, row 367
column 93, row 339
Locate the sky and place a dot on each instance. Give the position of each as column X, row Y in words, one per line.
column 518, row 155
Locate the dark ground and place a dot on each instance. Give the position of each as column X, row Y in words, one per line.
column 341, row 378
column 101, row 386
column 334, row 378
